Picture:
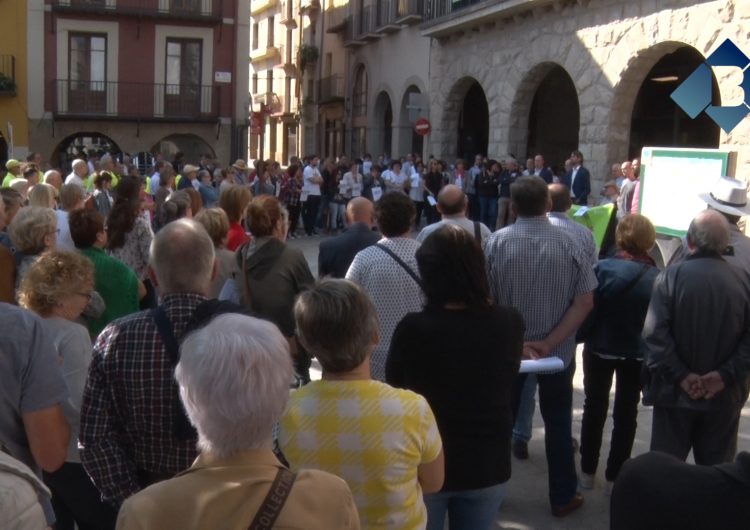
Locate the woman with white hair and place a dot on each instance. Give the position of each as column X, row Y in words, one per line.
column 234, row 382
column 32, row 232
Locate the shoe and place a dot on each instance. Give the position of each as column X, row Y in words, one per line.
column 575, row 503
column 586, row 481
column 520, row 449
column 608, row 488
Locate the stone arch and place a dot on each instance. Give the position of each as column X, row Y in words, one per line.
column 408, row 140
column 383, row 122
column 525, row 100
column 453, row 108
column 81, row 144
column 632, row 77
column 191, row 144
column 360, row 91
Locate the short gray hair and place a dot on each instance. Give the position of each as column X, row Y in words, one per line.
column 182, row 257
column 234, row 378
column 29, row 228
column 337, row 323
column 709, row 232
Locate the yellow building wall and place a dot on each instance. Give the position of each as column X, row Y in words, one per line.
column 14, row 109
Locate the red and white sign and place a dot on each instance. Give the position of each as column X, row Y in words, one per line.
column 422, row 127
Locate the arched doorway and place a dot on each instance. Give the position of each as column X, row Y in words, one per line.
column 82, row 145
column 359, row 112
column 190, row 145
column 554, row 118
column 384, row 123
column 656, row 120
column 473, row 124
column 411, row 110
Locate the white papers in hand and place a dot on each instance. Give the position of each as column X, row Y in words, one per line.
column 548, row 364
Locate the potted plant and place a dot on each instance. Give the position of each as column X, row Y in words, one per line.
column 307, row 54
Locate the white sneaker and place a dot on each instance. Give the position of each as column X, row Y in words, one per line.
column 608, row 488
column 586, row 481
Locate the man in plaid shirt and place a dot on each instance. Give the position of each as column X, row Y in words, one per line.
column 133, row 430
column 541, row 271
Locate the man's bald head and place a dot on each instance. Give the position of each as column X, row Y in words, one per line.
column 451, row 200
column 360, row 210
column 708, row 233
column 53, row 178
column 180, row 242
column 560, row 196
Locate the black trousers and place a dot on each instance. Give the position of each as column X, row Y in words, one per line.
column 76, row 500
column 293, row 217
column 597, row 382
column 711, row 434
column 309, row 213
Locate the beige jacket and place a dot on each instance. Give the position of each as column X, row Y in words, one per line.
column 20, row 491
column 225, row 494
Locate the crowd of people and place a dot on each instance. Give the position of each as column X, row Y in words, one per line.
column 158, row 329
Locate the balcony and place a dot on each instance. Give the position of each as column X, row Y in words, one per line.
column 7, row 76
column 115, row 101
column 258, row 6
column 331, row 89
column 286, row 62
column 337, row 19
column 268, row 103
column 285, row 108
column 263, row 54
column 387, row 11
column 409, row 12
column 368, row 22
column 287, row 14
column 444, row 17
column 192, row 10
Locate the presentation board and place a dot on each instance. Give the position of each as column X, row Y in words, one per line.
column 671, row 180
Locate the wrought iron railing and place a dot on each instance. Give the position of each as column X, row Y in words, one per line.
column 135, row 101
column 181, row 9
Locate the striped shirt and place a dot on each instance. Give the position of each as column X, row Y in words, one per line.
column 538, row 269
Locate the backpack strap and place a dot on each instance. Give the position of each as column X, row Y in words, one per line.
column 478, row 233
column 401, row 263
column 274, row 501
column 181, row 427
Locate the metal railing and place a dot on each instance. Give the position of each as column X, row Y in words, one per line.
column 180, row 9
column 386, row 12
column 7, row 75
column 410, row 10
column 434, row 9
column 135, row 101
column 331, row 88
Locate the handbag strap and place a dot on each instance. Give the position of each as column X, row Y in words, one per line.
column 477, row 233
column 625, row 290
column 400, row 262
column 164, row 327
column 275, row 499
column 245, row 279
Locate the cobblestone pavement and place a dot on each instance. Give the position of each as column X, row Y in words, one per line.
column 526, row 506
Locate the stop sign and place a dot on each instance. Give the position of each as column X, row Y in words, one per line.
column 422, row 127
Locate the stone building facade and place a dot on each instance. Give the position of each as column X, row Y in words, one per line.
column 606, row 49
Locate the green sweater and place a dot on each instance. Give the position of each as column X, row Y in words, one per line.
column 116, row 283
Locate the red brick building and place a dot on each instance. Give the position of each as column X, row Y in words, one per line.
column 139, row 76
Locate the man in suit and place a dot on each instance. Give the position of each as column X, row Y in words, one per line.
column 336, row 254
column 578, row 180
column 540, row 171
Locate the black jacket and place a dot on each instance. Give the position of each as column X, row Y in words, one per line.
column 698, row 321
column 336, row 254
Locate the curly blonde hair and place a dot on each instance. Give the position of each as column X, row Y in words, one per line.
column 54, row 276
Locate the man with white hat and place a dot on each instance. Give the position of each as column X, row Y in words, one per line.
column 728, row 197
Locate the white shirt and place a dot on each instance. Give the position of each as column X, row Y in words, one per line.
column 416, row 192
column 573, row 179
column 394, row 181
column 155, row 178
column 311, row 187
column 458, row 220
column 75, row 179
column 351, row 185
column 64, row 239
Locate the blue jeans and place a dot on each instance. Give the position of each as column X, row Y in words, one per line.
column 467, row 509
column 525, row 415
column 556, row 405
column 488, row 211
column 336, row 211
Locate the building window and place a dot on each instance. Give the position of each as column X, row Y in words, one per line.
column 359, row 94
column 271, row 24
column 87, row 72
column 87, row 64
column 255, row 83
column 182, row 89
column 256, row 30
column 269, row 81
